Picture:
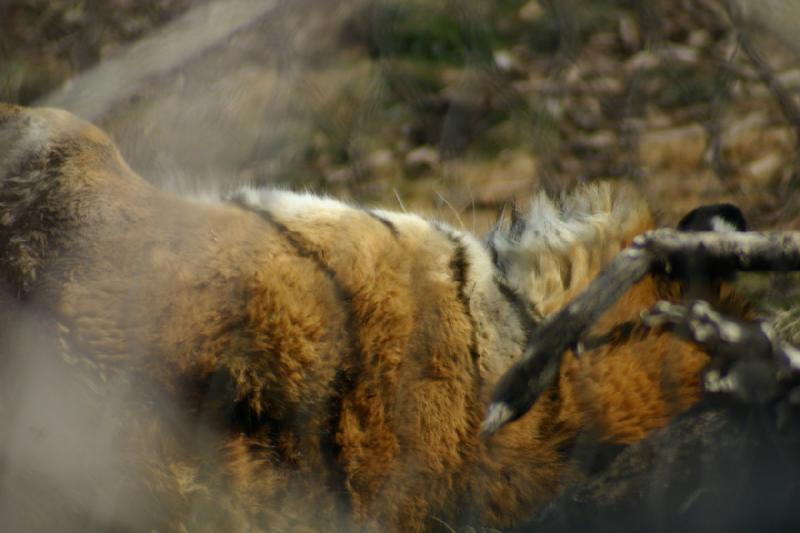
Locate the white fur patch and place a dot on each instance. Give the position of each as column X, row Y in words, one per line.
column 307, row 206
column 287, row 203
column 563, row 244
column 720, row 225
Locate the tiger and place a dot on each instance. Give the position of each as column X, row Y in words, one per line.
column 270, row 360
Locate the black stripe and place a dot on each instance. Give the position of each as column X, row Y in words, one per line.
column 521, row 307
column 518, row 303
column 459, row 265
column 494, row 254
column 347, row 377
column 388, row 223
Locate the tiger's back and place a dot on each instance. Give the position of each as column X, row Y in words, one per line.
column 293, row 360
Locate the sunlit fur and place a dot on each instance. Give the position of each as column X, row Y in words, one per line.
column 279, row 361
column 558, row 247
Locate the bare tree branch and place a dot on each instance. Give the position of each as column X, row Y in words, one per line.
column 521, row 386
column 785, row 100
column 748, row 361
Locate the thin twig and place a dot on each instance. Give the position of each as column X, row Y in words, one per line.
column 443, row 524
column 749, row 361
column 399, row 200
column 784, row 98
column 724, row 79
column 452, row 209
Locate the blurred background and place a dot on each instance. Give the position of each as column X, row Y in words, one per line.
column 449, row 107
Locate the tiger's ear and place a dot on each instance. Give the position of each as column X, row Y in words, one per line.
column 715, row 217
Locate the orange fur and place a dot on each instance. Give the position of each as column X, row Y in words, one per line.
column 312, row 367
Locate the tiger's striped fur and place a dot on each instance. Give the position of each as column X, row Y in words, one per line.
column 293, row 361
